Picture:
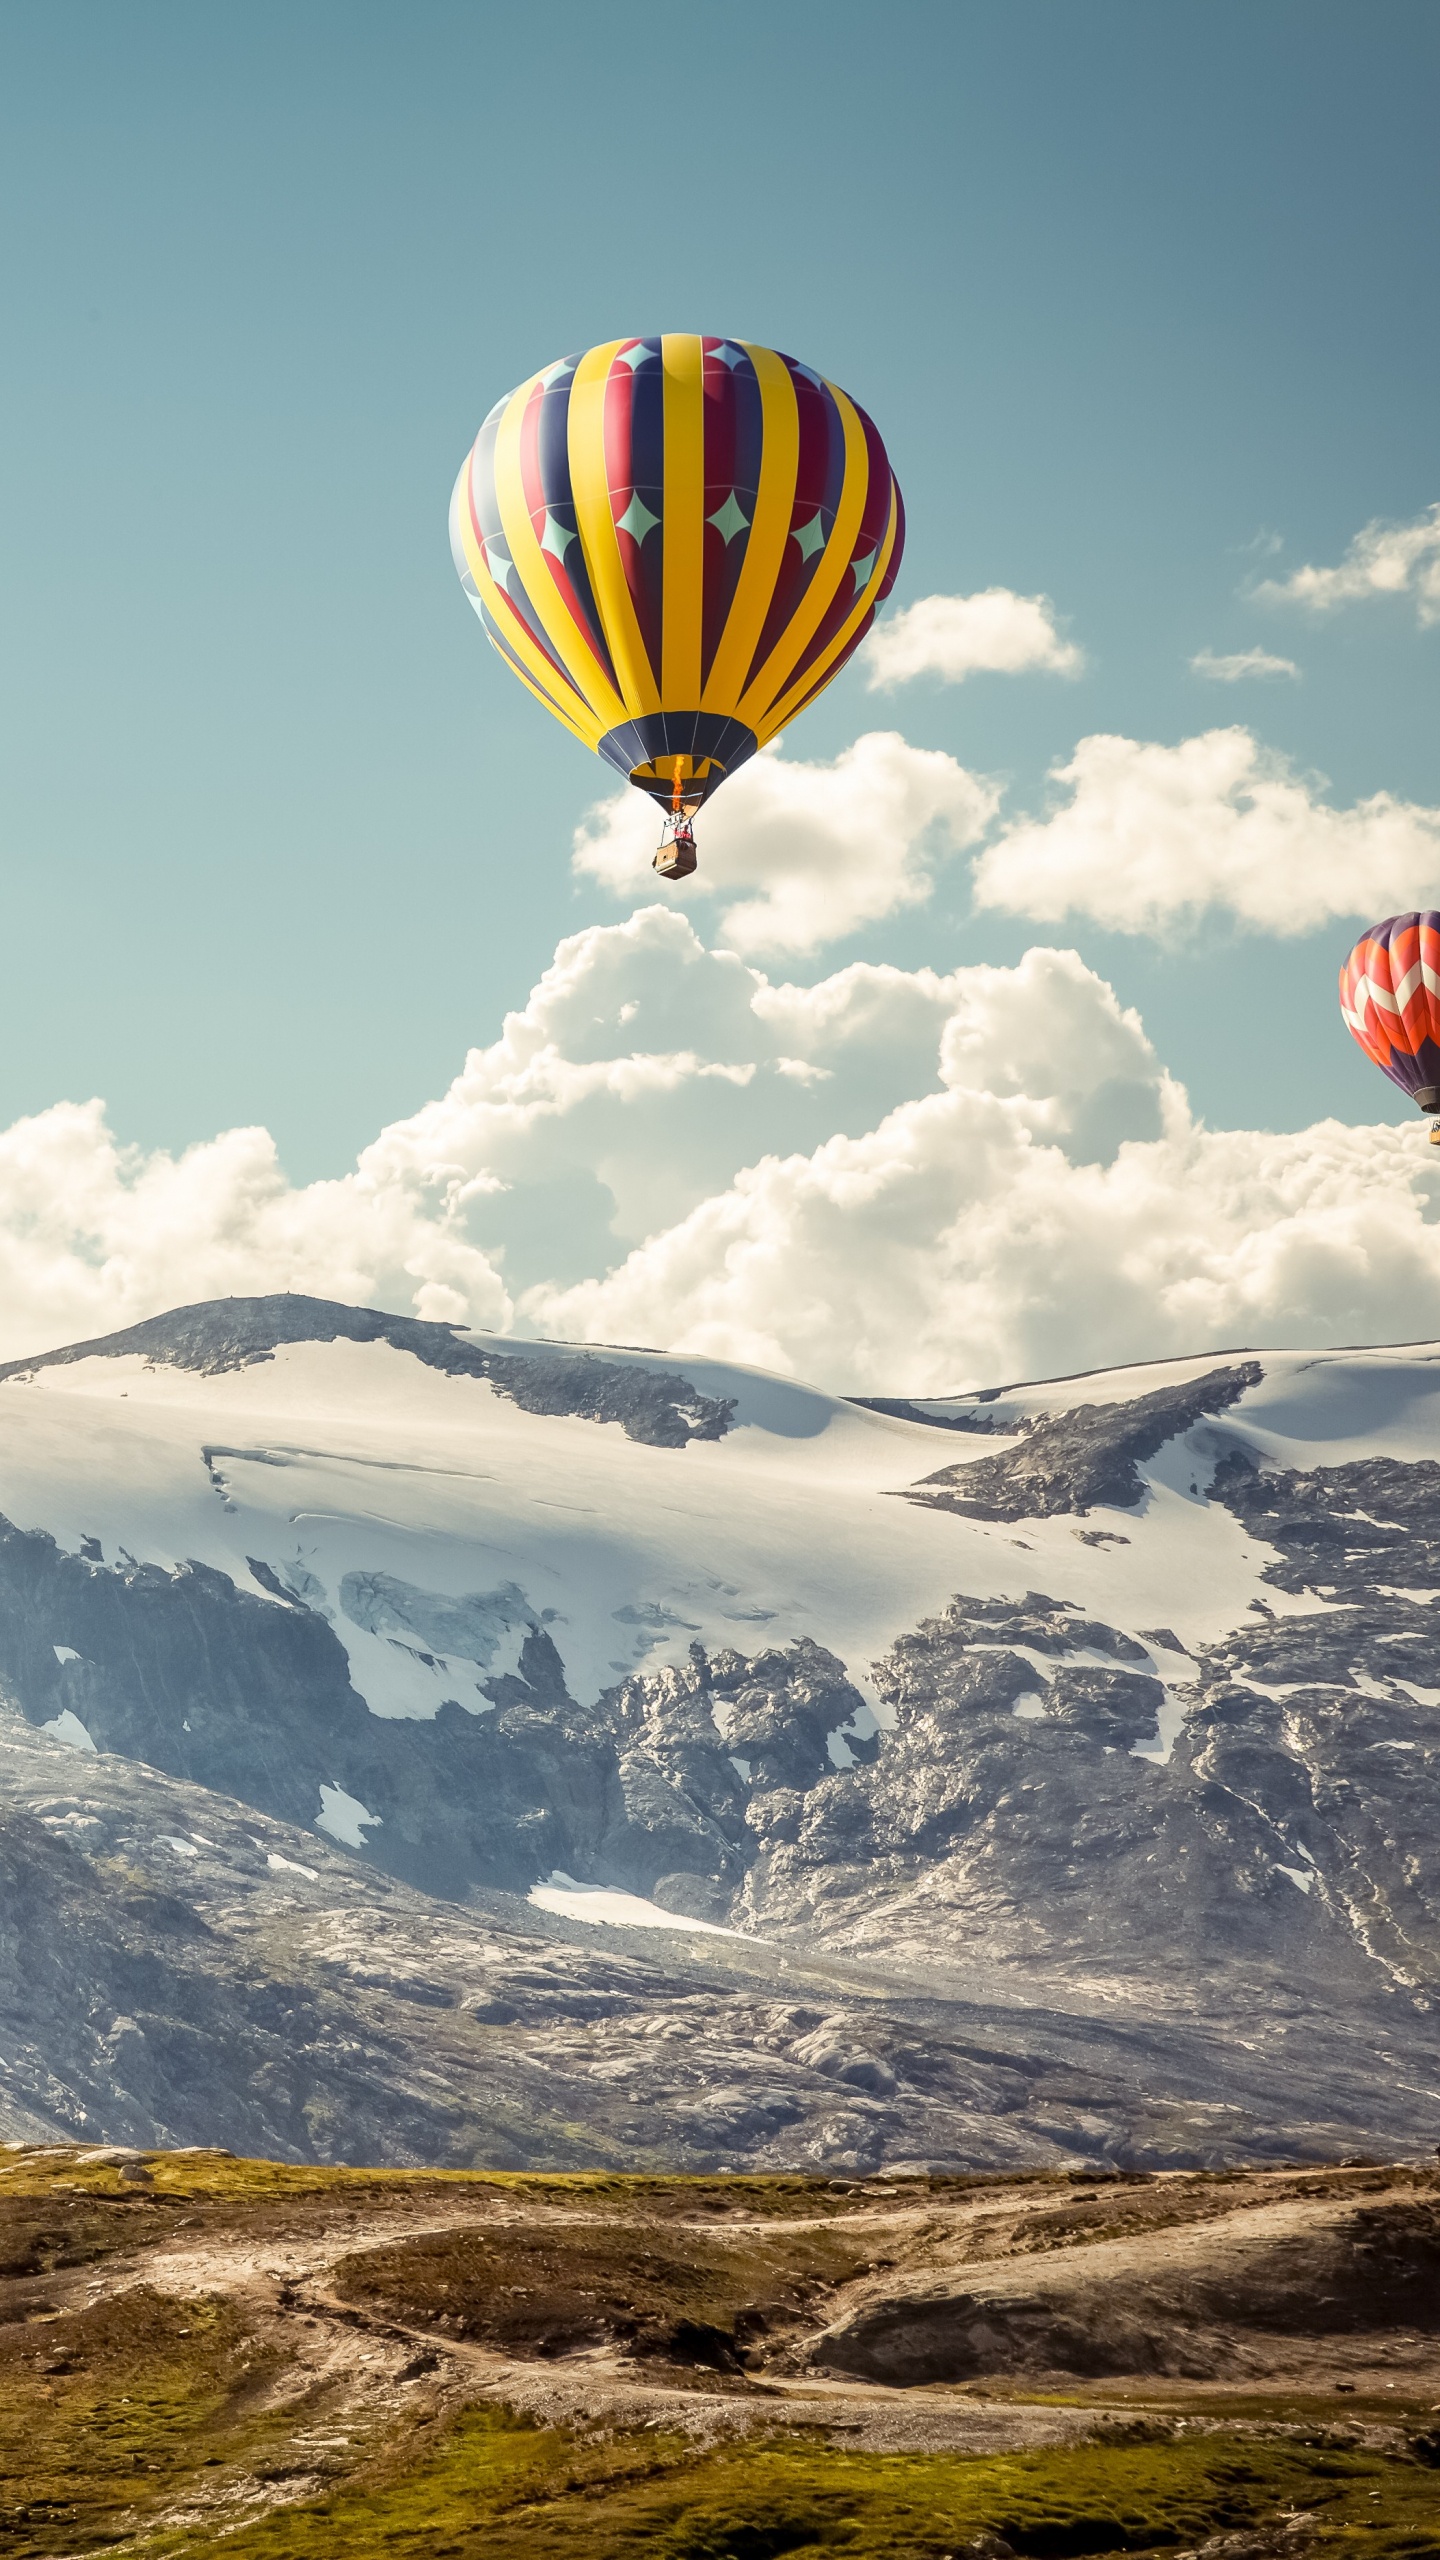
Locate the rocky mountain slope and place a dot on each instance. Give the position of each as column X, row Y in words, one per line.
column 393, row 1715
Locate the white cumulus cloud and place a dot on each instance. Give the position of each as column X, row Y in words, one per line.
column 995, row 632
column 955, row 1244
column 1150, row 837
column 1383, row 560
column 94, row 1234
column 806, row 853
column 891, row 1181
column 1240, row 664
column 1045, row 1204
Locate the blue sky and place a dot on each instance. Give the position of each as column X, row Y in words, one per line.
column 1134, row 291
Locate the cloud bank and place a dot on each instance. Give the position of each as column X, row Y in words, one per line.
column 952, row 637
column 1142, row 838
column 891, row 1181
column 806, row 853
column 1151, row 838
column 1383, row 560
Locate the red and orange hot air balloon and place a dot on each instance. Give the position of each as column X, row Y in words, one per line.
column 1390, row 998
column 675, row 543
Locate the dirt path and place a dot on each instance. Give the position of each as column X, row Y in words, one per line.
column 378, row 2363
column 941, row 2255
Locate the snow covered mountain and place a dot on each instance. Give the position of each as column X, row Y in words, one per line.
column 1102, row 1708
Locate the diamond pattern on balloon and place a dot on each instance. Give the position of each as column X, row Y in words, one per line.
column 637, row 520
column 730, row 519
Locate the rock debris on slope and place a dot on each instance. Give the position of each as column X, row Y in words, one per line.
column 1085, row 1458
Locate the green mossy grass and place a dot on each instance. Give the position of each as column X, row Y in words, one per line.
column 218, row 2177
column 158, row 2392
column 498, row 2489
column 157, row 2424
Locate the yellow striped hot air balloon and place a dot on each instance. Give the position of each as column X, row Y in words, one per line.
column 676, row 543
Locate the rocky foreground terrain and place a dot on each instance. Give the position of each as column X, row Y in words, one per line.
column 422, row 1748
column 201, row 2353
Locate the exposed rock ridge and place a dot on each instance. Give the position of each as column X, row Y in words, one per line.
column 1256, row 1828
column 659, row 1406
column 1072, row 1461
column 900, row 1409
column 1328, row 1715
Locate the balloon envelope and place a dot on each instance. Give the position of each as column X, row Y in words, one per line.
column 676, row 543
column 1390, row 999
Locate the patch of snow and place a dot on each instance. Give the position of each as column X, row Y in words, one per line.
column 1170, row 1718
column 473, row 1626
column 1313, row 1409
column 1169, row 1723
column 1391, row 1744
column 605, row 1906
column 411, row 1648
column 1031, row 1708
column 865, row 1722
column 292, row 1866
column 1412, row 1689
column 1302, row 1877
column 66, row 1653
column 67, row 1728
column 344, row 1817
column 182, row 1848
column 741, row 1767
